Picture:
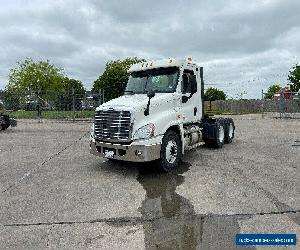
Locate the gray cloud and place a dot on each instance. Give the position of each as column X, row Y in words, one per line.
column 243, row 46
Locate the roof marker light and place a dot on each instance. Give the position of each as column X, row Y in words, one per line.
column 189, row 59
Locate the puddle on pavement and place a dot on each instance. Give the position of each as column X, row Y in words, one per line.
column 169, row 219
column 161, row 199
column 167, row 215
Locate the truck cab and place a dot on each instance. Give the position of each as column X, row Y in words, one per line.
column 159, row 117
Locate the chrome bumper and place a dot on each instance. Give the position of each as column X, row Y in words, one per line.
column 134, row 153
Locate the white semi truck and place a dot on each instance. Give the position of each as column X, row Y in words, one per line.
column 159, row 117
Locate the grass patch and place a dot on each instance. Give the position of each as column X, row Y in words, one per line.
column 227, row 112
column 21, row 114
column 218, row 112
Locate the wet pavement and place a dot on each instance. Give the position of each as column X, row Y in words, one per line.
column 55, row 194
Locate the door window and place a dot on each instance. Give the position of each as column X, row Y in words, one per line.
column 186, row 81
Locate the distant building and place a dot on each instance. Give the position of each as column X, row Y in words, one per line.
column 285, row 94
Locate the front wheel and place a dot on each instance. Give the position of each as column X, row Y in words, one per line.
column 171, row 151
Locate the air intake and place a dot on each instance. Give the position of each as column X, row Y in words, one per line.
column 112, row 126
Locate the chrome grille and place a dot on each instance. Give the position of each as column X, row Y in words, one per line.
column 112, row 125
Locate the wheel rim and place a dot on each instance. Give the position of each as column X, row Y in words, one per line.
column 221, row 134
column 230, row 133
column 171, row 152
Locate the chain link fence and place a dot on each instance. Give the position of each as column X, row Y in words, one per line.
column 78, row 106
column 285, row 104
column 72, row 106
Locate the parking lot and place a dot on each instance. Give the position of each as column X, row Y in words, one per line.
column 55, row 194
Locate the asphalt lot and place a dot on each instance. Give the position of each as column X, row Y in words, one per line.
column 55, row 194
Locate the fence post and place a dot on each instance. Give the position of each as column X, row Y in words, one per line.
column 73, row 103
column 262, row 104
column 39, row 107
column 103, row 99
column 281, row 107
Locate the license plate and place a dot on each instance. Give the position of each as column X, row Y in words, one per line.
column 109, row 154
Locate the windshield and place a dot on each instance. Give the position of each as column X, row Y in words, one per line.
column 163, row 80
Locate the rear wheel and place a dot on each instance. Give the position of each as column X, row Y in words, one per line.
column 229, row 132
column 219, row 135
column 171, row 151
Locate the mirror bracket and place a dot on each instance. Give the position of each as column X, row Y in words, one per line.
column 150, row 95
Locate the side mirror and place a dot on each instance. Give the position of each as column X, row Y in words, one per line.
column 193, row 84
column 150, row 94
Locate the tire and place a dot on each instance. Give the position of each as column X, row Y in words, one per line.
column 219, row 135
column 171, row 152
column 209, row 143
column 4, row 122
column 229, row 130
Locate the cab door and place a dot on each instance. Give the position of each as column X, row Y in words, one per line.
column 191, row 97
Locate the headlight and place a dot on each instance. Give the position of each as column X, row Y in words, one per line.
column 144, row 132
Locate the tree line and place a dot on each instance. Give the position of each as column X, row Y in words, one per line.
column 294, row 80
column 43, row 79
column 39, row 82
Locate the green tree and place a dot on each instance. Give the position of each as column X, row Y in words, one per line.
column 32, row 77
column 10, row 101
column 32, row 82
column 2, row 93
column 213, row 94
column 1, row 100
column 73, row 91
column 114, row 78
column 294, row 78
column 273, row 89
column 69, row 84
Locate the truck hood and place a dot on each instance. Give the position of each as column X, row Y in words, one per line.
column 136, row 102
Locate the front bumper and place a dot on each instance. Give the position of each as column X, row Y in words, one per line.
column 133, row 153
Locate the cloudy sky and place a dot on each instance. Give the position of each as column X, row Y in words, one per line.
column 244, row 46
